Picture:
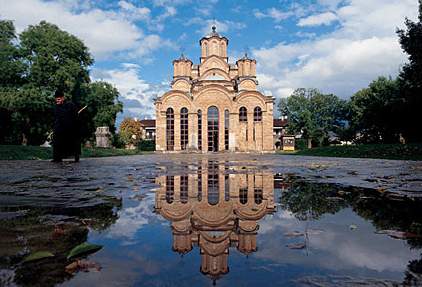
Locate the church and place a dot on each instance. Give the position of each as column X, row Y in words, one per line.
column 214, row 106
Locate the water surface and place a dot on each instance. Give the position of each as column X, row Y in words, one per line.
column 214, row 222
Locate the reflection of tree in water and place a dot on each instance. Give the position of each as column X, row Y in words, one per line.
column 309, row 201
column 50, row 229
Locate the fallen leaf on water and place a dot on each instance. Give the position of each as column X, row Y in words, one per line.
column 296, row 245
column 382, row 189
column 353, row 226
column 38, row 256
column 398, row 234
column 294, row 234
column 82, row 249
column 82, row 265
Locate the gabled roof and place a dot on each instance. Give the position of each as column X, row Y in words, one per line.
column 279, row 123
column 148, row 123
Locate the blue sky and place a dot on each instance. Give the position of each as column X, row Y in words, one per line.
column 337, row 46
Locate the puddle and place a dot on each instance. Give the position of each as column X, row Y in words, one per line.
column 209, row 222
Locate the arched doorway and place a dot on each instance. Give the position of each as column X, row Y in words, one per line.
column 213, row 129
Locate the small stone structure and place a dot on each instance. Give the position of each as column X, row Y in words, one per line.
column 288, row 143
column 103, row 137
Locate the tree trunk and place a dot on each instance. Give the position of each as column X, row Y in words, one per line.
column 309, row 143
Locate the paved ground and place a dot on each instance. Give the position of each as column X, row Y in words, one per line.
column 17, row 177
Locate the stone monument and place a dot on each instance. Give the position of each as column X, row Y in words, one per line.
column 103, row 137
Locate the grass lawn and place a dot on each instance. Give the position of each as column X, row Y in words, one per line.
column 384, row 151
column 13, row 152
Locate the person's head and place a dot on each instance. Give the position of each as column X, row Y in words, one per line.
column 59, row 97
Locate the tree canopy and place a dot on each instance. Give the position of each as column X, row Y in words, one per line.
column 410, row 79
column 32, row 66
column 375, row 112
column 313, row 114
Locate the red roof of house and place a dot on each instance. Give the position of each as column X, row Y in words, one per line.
column 148, row 123
column 279, row 123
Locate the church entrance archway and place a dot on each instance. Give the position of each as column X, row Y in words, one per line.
column 213, row 131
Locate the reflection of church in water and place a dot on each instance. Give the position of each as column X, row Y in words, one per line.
column 215, row 210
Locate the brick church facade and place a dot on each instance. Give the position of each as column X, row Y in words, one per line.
column 214, row 106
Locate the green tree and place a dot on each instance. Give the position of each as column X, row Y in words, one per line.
column 103, row 105
column 56, row 59
column 410, row 79
column 46, row 59
column 12, row 67
column 375, row 112
column 313, row 114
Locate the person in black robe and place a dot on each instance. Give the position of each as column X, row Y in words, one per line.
column 66, row 136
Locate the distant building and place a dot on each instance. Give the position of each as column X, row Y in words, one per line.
column 148, row 129
column 214, row 106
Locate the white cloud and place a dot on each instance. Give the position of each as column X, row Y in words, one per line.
column 135, row 13
column 364, row 47
column 104, row 32
column 274, row 13
column 318, row 19
column 137, row 94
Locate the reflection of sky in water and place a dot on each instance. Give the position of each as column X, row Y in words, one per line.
column 138, row 251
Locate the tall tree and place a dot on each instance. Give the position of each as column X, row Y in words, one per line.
column 103, row 105
column 410, row 79
column 12, row 67
column 375, row 112
column 56, row 59
column 313, row 114
column 46, row 59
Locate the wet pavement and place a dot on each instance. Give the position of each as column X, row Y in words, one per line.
column 230, row 220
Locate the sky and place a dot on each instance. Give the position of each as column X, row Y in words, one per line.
column 336, row 46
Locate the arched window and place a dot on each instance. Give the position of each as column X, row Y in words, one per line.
column 258, row 196
column 213, row 191
column 226, row 129
column 243, row 114
column 170, row 129
column 243, row 195
column 212, row 129
column 200, row 181
column 199, row 129
column 184, row 128
column 169, row 189
column 257, row 114
column 184, row 189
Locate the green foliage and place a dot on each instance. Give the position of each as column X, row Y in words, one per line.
column 46, row 59
column 146, row 145
column 20, row 152
column 385, row 151
column 101, row 99
column 309, row 201
column 37, row 256
column 56, row 58
column 12, row 67
column 83, row 249
column 313, row 114
column 410, row 79
column 375, row 112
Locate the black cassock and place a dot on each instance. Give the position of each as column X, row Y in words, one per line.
column 66, row 139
